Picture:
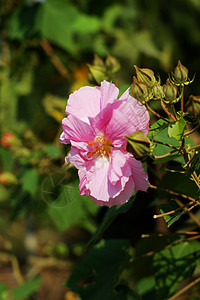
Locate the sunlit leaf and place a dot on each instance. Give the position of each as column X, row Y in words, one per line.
column 173, row 265
column 176, row 129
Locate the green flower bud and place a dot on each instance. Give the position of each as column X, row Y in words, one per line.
column 98, row 61
column 193, row 106
column 146, row 76
column 139, row 90
column 112, row 64
column 138, row 144
column 180, row 73
column 170, row 91
column 158, row 91
column 97, row 73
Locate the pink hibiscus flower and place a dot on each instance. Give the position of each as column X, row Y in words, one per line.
column 96, row 125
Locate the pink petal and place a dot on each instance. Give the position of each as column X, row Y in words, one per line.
column 109, row 93
column 128, row 118
column 98, row 180
column 118, row 160
column 122, row 198
column 125, row 95
column 139, row 176
column 78, row 155
column 101, row 121
column 84, row 103
column 77, row 130
column 83, row 182
column 63, row 138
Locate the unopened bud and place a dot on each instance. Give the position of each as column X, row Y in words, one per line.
column 97, row 73
column 98, row 61
column 112, row 64
column 8, row 139
column 139, row 90
column 170, row 91
column 158, row 91
column 7, row 178
column 146, row 76
column 180, row 73
column 138, row 144
column 193, row 106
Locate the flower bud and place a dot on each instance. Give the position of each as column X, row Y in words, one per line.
column 158, row 91
column 138, row 144
column 7, row 178
column 180, row 73
column 97, row 73
column 170, row 91
column 146, row 76
column 7, row 139
column 139, row 90
column 98, row 61
column 193, row 106
column 112, row 64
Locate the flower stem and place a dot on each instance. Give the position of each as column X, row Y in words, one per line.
column 195, row 147
column 182, row 104
column 155, row 113
column 173, row 193
column 192, row 130
column 167, row 112
column 175, row 210
column 166, row 154
column 163, row 143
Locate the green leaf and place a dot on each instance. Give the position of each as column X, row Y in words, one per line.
column 65, row 206
column 67, row 23
column 27, row 288
column 157, row 127
column 172, row 205
column 109, row 217
column 30, row 181
column 173, row 265
column 160, row 149
column 23, row 22
column 98, row 272
column 176, row 129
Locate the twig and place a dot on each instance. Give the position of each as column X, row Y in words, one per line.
column 186, row 288
column 174, row 171
column 155, row 113
column 188, row 210
column 192, row 130
column 164, row 144
column 54, row 58
column 166, row 110
column 173, row 193
column 182, row 103
column 166, row 154
column 151, row 253
column 194, row 147
column 175, row 210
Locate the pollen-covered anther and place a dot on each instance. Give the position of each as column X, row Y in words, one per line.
column 102, row 147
